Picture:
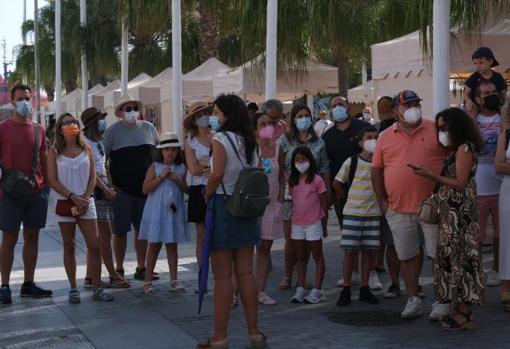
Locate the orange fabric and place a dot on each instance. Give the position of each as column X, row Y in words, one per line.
column 394, row 151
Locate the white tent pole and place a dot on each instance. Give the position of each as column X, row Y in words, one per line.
column 441, row 55
column 84, row 72
column 37, row 66
column 177, row 68
column 58, row 59
column 364, row 73
column 24, row 78
column 271, row 48
column 124, row 65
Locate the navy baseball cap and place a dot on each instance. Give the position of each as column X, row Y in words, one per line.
column 485, row 52
column 406, row 96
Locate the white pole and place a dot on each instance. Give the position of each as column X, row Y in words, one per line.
column 441, row 55
column 24, row 78
column 84, row 72
column 37, row 66
column 271, row 48
column 364, row 73
column 124, row 66
column 176, row 68
column 58, row 59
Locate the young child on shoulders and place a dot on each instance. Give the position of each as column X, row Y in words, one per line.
column 164, row 215
column 309, row 220
column 484, row 61
column 362, row 217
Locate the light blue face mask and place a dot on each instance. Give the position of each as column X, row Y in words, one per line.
column 23, row 108
column 303, row 124
column 101, row 125
column 214, row 122
column 340, row 113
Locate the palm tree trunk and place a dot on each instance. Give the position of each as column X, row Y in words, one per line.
column 343, row 73
column 50, row 92
column 209, row 35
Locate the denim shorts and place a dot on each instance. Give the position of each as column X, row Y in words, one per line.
column 127, row 210
column 32, row 215
column 232, row 232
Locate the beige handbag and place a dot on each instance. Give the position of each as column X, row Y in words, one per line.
column 428, row 212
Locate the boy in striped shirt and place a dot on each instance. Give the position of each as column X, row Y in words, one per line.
column 362, row 216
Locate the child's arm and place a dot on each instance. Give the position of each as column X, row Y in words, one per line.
column 152, row 181
column 324, row 199
column 467, row 99
column 281, row 174
column 339, row 191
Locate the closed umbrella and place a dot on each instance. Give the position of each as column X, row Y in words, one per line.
column 203, row 272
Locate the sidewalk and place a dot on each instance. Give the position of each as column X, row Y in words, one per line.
column 171, row 321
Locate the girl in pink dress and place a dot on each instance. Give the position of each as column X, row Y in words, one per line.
column 272, row 221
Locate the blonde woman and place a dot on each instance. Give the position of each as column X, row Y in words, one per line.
column 71, row 175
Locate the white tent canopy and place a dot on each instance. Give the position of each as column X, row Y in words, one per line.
column 198, row 83
column 97, row 98
column 112, row 98
column 399, row 64
column 248, row 81
column 362, row 93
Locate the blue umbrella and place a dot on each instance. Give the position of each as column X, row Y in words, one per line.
column 203, row 272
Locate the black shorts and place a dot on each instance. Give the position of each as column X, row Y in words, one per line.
column 196, row 204
column 32, row 215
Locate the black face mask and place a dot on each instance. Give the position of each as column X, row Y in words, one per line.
column 491, row 102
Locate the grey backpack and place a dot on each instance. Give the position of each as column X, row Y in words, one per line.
column 251, row 193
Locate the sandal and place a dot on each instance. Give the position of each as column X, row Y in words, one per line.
column 120, row 271
column 175, row 286
column 87, row 284
column 258, row 341
column 209, row 344
column 264, row 299
column 101, row 295
column 119, row 282
column 284, row 284
column 74, row 296
column 148, row 289
column 450, row 324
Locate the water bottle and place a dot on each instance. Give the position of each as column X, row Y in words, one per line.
column 266, row 165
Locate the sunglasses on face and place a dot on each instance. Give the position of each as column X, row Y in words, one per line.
column 70, row 122
column 129, row 109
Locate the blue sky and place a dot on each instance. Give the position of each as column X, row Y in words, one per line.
column 11, row 17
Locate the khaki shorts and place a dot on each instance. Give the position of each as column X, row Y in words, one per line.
column 409, row 234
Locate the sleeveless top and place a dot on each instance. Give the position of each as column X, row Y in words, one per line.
column 202, row 154
column 73, row 173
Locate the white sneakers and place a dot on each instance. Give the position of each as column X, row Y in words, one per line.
column 315, row 296
column 439, row 310
column 493, row 279
column 413, row 309
column 299, row 296
column 355, row 280
column 264, row 299
column 373, row 281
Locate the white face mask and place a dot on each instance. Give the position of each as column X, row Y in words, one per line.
column 131, row 116
column 367, row 116
column 302, row 167
column 444, row 138
column 203, row 121
column 369, row 146
column 412, row 115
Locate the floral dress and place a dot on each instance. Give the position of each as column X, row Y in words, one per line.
column 458, row 272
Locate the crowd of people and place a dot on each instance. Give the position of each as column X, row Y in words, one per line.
column 375, row 176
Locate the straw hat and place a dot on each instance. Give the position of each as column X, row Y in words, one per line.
column 169, row 140
column 125, row 100
column 193, row 110
column 90, row 115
